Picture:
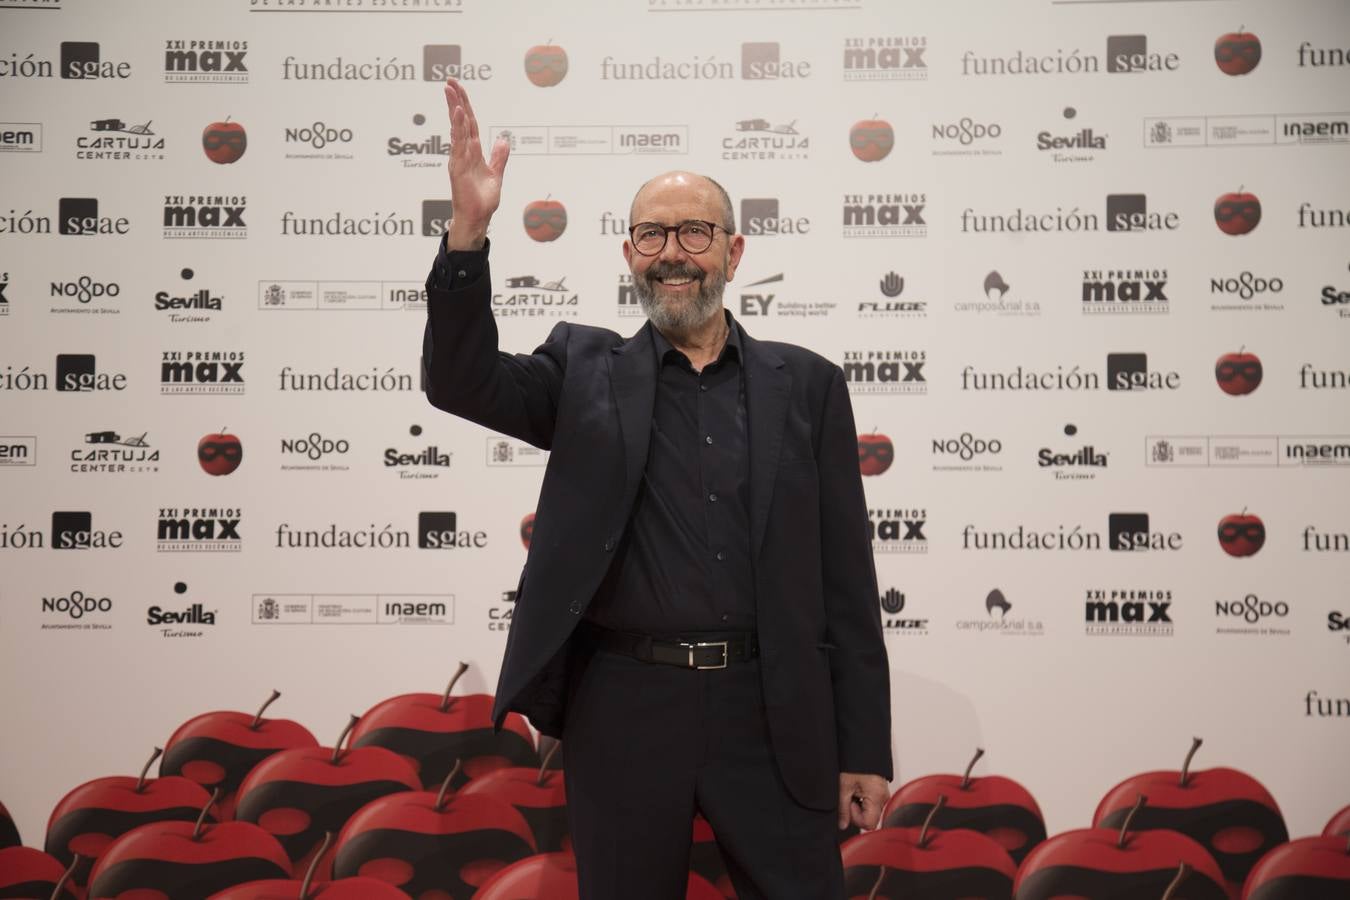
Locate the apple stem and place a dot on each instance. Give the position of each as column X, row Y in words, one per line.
column 201, row 817
column 445, row 785
column 1195, row 742
column 314, row 865
column 1182, row 872
column 257, row 719
column 337, row 748
column 881, row 876
column 928, row 821
column 445, row 698
column 66, row 876
column 548, row 758
column 140, row 782
column 1129, row 819
column 965, row 779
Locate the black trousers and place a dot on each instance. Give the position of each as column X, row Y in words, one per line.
column 646, row 745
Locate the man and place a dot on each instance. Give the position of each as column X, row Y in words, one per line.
column 697, row 618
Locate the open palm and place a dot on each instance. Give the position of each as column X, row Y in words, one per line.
column 475, row 182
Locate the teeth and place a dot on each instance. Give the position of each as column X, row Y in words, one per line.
column 676, row 280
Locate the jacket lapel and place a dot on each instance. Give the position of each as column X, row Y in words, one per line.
column 632, row 376
column 767, row 387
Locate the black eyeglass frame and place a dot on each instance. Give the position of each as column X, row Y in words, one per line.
column 667, row 229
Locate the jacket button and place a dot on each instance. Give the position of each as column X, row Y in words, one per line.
column 575, row 608
column 609, row 545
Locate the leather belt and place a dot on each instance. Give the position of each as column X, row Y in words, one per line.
column 690, row 654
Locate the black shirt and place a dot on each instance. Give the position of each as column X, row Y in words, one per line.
column 683, row 565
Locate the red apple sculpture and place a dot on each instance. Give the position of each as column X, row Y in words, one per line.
column 25, row 872
column 545, row 64
column 705, row 857
column 545, row 220
column 899, row 863
column 433, row 845
column 554, row 876
column 875, row 453
column 432, row 731
column 1102, row 862
column 309, row 889
column 220, row 453
column 871, row 139
column 93, row 815
column 1310, row 868
column 1237, row 52
column 1242, row 534
column 537, row 794
column 187, row 860
column 1339, row 825
column 296, row 795
column 1227, row 812
column 9, row 832
column 217, row 749
column 1237, row 213
column 1238, row 374
column 995, row 806
column 527, row 530
column 224, row 142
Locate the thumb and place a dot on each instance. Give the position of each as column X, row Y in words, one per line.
column 501, row 151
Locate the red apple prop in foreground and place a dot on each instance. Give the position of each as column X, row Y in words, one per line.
column 545, row 220
column 25, row 872
column 96, row 813
column 433, row 731
column 1237, row 52
column 871, row 139
column 545, row 65
column 1238, row 374
column 1227, row 812
column 900, row 863
column 433, row 845
column 875, row 453
column 1311, row 868
column 995, row 806
column 1339, row 826
column 1237, row 213
column 182, row 860
column 705, row 857
column 220, row 453
column 9, row 832
column 554, row 876
column 537, row 794
column 309, row 889
column 1101, row 862
column 224, row 142
column 1241, row 534
column 299, row 794
column 217, row 749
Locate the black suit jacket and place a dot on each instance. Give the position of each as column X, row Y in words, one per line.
column 586, row 394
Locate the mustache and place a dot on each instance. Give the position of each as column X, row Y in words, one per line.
column 673, row 270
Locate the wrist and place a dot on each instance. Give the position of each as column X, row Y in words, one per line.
column 465, row 236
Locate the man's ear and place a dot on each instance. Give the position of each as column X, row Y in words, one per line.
column 628, row 252
column 734, row 251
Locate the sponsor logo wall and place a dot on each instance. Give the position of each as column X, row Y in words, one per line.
column 1084, row 268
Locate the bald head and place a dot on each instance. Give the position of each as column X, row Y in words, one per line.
column 689, row 187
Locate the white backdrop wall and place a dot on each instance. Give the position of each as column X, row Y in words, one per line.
column 998, row 231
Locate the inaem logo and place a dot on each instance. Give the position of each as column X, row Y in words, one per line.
column 1241, row 534
column 1237, row 52
column 220, row 453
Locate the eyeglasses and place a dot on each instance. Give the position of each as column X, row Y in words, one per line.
column 693, row 235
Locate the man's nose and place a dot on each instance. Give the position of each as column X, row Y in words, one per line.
column 672, row 252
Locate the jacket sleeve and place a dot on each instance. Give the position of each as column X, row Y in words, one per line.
column 464, row 373
column 858, row 665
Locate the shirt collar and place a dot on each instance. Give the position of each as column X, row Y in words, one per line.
column 733, row 342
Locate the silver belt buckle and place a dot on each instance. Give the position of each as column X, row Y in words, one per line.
column 693, row 647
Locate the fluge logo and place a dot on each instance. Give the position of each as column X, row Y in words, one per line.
column 1241, row 534
column 545, row 64
column 1237, row 52
column 1237, row 213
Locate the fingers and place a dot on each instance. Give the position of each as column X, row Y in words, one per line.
column 845, row 805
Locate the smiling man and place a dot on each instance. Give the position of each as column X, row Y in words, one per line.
column 697, row 619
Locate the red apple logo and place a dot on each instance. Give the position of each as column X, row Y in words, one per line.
column 1238, row 374
column 537, row 794
column 296, row 795
column 217, row 749
column 898, row 863
column 310, row 889
column 25, row 872
column 875, row 453
column 224, row 142
column 1237, row 213
column 554, row 875
column 93, row 815
column 1237, row 52
column 434, row 731
column 871, row 139
column 433, row 844
column 527, row 529
column 545, row 220
column 1241, row 534
column 1227, row 812
column 1309, row 868
column 186, row 859
column 995, row 806
column 220, row 453
column 545, row 64
column 1119, row 862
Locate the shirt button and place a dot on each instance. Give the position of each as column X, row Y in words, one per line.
column 712, row 498
column 609, row 545
column 721, row 555
column 725, row 617
column 575, row 608
column 707, row 439
column 702, row 387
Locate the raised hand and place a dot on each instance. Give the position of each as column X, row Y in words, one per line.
column 475, row 182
